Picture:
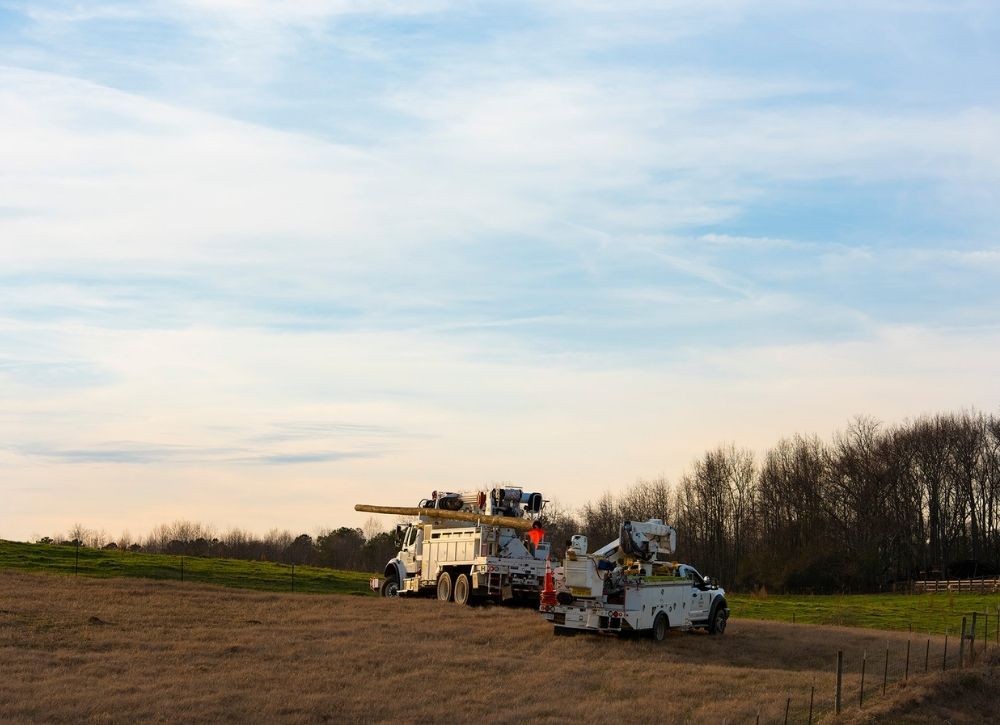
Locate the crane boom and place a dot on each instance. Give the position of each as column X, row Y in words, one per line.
column 509, row 522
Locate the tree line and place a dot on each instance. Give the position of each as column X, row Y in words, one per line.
column 876, row 504
column 355, row 549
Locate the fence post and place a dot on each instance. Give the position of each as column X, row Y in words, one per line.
column 944, row 659
column 182, row 568
column 861, row 693
column 906, row 673
column 972, row 637
column 293, row 576
column 788, row 704
column 76, row 562
column 812, row 694
column 840, row 675
column 927, row 656
column 885, row 672
column 961, row 647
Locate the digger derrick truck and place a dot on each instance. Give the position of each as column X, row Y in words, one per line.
column 465, row 545
column 630, row 586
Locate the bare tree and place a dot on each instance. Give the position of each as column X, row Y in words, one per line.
column 372, row 528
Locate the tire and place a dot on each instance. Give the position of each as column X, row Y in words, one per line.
column 463, row 589
column 717, row 624
column 390, row 587
column 660, row 627
column 563, row 631
column 444, row 587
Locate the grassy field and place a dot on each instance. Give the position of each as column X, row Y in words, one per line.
column 77, row 649
column 934, row 613
column 267, row 576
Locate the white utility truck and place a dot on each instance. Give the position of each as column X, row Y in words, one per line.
column 630, row 586
column 465, row 545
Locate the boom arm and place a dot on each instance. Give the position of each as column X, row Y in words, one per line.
column 507, row 521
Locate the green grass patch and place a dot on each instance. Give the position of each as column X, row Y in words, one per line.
column 935, row 613
column 264, row 575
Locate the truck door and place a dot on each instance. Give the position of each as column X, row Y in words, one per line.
column 411, row 548
column 704, row 604
column 699, row 598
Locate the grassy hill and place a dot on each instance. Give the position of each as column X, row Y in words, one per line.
column 923, row 613
column 934, row 613
column 263, row 575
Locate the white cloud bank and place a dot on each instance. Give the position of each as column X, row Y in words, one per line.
column 506, row 277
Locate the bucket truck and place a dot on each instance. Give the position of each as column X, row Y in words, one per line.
column 631, row 586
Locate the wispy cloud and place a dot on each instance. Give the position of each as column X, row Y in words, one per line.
column 382, row 245
column 139, row 453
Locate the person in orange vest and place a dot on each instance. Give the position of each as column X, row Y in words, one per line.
column 536, row 535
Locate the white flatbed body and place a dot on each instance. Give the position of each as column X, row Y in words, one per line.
column 636, row 608
column 493, row 558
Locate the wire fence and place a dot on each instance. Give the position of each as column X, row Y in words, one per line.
column 859, row 678
column 242, row 573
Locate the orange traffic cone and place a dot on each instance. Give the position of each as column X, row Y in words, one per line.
column 548, row 599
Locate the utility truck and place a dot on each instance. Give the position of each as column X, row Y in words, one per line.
column 465, row 545
column 631, row 586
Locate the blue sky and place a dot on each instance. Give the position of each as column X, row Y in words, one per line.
column 298, row 255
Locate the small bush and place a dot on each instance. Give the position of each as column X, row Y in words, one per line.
column 970, row 681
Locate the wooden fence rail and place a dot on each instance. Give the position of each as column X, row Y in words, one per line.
column 983, row 586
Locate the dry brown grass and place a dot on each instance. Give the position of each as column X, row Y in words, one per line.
column 126, row 650
column 955, row 697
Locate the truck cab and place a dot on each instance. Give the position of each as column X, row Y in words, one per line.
column 702, row 592
column 410, row 538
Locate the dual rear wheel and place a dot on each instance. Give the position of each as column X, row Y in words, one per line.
column 457, row 589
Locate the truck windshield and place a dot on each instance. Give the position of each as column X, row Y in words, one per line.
column 690, row 573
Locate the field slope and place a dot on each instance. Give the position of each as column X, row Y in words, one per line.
column 78, row 649
column 263, row 575
column 924, row 613
column 921, row 613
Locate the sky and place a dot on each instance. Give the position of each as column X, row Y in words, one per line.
column 261, row 261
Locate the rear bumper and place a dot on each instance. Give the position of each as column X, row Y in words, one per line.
column 592, row 619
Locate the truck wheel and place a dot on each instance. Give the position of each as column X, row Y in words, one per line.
column 660, row 627
column 390, row 587
column 717, row 625
column 563, row 631
column 444, row 587
column 463, row 589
